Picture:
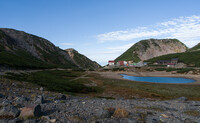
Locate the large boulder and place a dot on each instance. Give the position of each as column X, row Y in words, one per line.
column 9, row 112
column 31, row 111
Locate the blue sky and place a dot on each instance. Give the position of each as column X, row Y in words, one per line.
column 103, row 29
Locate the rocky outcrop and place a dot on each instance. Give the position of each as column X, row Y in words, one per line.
column 150, row 48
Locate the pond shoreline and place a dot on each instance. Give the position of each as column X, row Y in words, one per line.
column 156, row 79
column 116, row 75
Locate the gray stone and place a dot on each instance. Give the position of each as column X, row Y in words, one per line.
column 132, row 121
column 63, row 97
column 4, row 121
column 60, row 97
column 1, row 96
column 21, row 99
column 182, row 99
column 188, row 121
column 104, row 114
column 41, row 89
column 6, row 102
column 9, row 111
column 39, row 99
column 46, row 118
column 30, row 121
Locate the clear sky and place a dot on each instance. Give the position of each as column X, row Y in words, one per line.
column 103, row 29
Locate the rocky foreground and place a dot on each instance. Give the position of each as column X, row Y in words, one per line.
column 24, row 102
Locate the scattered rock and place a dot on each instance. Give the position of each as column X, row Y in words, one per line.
column 52, row 120
column 188, row 121
column 60, row 97
column 164, row 115
column 6, row 102
column 46, row 118
column 31, row 111
column 120, row 113
column 21, row 99
column 104, row 114
column 9, row 112
column 41, row 89
column 63, row 97
column 31, row 121
column 1, row 96
column 39, row 99
column 182, row 99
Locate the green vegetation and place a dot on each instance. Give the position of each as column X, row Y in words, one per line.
column 83, row 61
column 105, row 97
column 197, row 47
column 186, row 57
column 129, row 55
column 179, row 70
column 152, row 90
column 74, row 82
column 15, row 55
column 56, row 80
column 21, row 59
column 118, row 69
column 160, row 69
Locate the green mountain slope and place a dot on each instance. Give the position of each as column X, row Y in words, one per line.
column 186, row 57
column 81, row 60
column 146, row 49
column 195, row 48
column 20, row 49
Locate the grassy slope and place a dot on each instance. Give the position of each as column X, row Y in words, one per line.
column 83, row 61
column 151, row 90
column 21, row 59
column 197, row 47
column 186, row 57
column 64, row 81
column 128, row 55
column 59, row 81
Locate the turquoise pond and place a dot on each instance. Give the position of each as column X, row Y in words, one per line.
column 158, row 79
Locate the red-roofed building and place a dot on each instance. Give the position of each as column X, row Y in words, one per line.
column 111, row 62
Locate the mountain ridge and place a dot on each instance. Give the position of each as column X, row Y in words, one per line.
column 81, row 60
column 21, row 49
column 149, row 48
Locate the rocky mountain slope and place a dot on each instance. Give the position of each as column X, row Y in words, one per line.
column 81, row 60
column 20, row 49
column 150, row 48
